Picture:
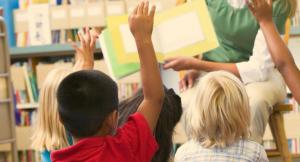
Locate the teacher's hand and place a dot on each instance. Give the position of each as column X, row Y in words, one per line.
column 181, row 63
column 188, row 80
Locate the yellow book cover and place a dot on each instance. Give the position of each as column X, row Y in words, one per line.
column 185, row 30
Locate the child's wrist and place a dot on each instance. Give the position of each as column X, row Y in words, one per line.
column 143, row 40
column 265, row 22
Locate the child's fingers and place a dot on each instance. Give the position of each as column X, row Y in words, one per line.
column 135, row 10
column 93, row 43
column 88, row 34
column 146, row 8
column 152, row 11
column 141, row 8
column 82, row 40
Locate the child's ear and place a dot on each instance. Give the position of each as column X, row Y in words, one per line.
column 112, row 119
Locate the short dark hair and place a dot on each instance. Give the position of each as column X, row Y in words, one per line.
column 85, row 99
column 168, row 118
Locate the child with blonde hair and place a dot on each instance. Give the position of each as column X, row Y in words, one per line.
column 217, row 123
column 49, row 133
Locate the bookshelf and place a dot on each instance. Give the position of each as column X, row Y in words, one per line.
column 27, row 106
column 7, row 120
column 45, row 51
column 295, row 31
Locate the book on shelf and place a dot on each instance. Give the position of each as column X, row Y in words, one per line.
column 183, row 30
column 126, row 90
column 24, row 83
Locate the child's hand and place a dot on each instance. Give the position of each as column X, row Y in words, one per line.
column 261, row 9
column 141, row 21
column 84, row 57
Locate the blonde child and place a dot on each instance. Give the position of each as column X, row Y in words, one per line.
column 262, row 10
column 49, row 133
column 217, row 123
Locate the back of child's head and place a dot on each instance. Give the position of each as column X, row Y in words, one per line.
column 169, row 117
column 86, row 98
column 49, row 133
column 219, row 114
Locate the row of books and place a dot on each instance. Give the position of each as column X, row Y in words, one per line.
column 24, row 83
column 26, row 118
column 39, row 24
column 28, row 156
column 293, row 145
column 127, row 89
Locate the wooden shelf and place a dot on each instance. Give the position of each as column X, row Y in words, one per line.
column 5, row 101
column 28, row 106
column 45, row 50
column 295, row 31
column 4, row 75
column 23, row 137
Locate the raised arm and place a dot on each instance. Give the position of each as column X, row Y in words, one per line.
column 84, row 56
column 141, row 26
column 262, row 10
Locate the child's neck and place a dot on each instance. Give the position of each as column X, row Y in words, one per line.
column 100, row 133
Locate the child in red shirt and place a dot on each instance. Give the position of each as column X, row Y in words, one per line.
column 88, row 103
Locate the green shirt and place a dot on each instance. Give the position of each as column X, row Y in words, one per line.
column 236, row 30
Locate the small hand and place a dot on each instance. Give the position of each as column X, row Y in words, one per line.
column 84, row 57
column 141, row 21
column 188, row 80
column 261, row 9
column 180, row 63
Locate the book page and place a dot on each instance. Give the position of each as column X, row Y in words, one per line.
column 129, row 41
column 179, row 32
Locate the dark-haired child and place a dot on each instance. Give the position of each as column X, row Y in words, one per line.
column 169, row 117
column 88, row 103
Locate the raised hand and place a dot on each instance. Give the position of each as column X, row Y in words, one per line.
column 188, row 80
column 261, row 9
column 180, row 63
column 84, row 57
column 141, row 21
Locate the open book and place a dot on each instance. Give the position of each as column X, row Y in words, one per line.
column 117, row 70
column 185, row 30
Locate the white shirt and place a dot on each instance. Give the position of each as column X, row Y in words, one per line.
column 241, row 151
column 260, row 64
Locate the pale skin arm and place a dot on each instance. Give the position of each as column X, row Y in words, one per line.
column 262, row 10
column 84, row 56
column 141, row 26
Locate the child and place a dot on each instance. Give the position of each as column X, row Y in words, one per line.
column 88, row 103
column 262, row 10
column 169, row 117
column 217, row 123
column 49, row 133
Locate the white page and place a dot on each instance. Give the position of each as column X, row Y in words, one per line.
column 180, row 32
column 129, row 41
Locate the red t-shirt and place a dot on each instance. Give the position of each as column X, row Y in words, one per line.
column 133, row 142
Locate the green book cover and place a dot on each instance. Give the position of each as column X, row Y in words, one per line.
column 116, row 69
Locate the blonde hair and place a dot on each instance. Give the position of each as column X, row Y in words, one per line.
column 49, row 133
column 219, row 114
